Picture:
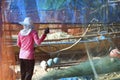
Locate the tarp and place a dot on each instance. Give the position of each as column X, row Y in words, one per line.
column 63, row 11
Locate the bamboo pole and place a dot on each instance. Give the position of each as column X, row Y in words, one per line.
column 77, row 37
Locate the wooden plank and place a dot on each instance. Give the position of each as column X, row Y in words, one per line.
column 77, row 37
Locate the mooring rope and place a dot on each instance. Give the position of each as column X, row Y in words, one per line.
column 91, row 62
column 69, row 46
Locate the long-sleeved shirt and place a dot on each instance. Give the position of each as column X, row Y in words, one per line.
column 26, row 44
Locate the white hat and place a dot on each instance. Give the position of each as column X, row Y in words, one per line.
column 27, row 21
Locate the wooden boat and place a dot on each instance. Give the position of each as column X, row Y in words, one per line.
column 99, row 45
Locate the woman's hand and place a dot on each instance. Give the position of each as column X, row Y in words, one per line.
column 46, row 31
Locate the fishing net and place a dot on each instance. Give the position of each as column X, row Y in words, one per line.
column 82, row 34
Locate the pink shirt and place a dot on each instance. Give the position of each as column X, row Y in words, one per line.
column 26, row 44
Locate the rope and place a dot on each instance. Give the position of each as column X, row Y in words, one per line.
column 69, row 46
column 91, row 62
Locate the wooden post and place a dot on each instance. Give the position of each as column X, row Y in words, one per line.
column 0, row 38
column 0, row 26
column 7, row 69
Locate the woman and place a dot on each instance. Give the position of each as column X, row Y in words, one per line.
column 27, row 37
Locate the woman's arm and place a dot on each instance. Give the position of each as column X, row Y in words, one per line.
column 38, row 39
